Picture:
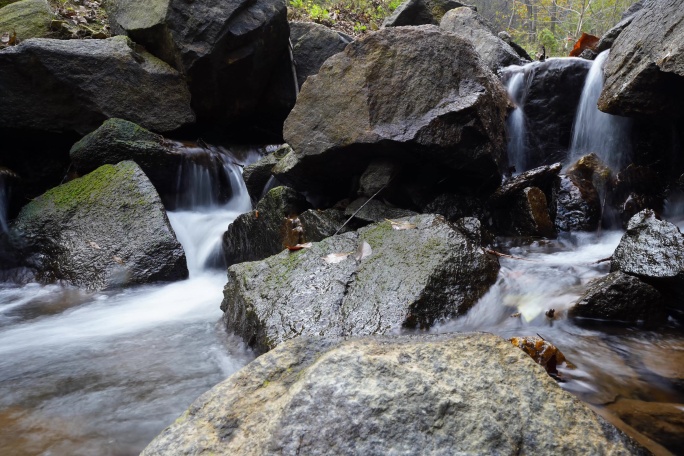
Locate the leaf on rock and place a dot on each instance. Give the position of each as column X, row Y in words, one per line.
column 401, row 225
column 118, row 259
column 543, row 353
column 335, row 258
column 94, row 245
column 363, row 251
column 293, row 248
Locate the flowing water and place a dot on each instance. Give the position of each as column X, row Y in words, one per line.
column 517, row 153
column 594, row 131
column 103, row 373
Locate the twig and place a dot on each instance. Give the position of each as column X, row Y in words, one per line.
column 603, row 260
column 499, row 254
column 362, row 206
column 294, row 69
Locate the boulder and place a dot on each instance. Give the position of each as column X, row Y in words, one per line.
column 411, row 273
column 361, row 107
column 319, row 224
column 468, row 24
column 423, row 394
column 226, row 50
column 117, row 140
column 420, row 12
column 528, row 215
column 4, row 3
column 644, row 74
column 74, row 85
column 620, row 297
column 549, row 101
column 454, row 207
column 269, row 228
column 543, row 177
column 636, row 188
column 576, row 205
column 377, row 178
column 652, row 250
column 257, row 175
column 26, row 18
column 608, row 38
column 522, row 53
column 105, row 230
column 374, row 211
column 312, row 44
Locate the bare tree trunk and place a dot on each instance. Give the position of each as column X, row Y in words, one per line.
column 554, row 16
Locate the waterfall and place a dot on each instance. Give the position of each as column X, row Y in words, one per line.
column 517, row 153
column 595, row 131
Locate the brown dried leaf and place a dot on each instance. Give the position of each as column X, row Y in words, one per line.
column 293, row 248
column 94, row 245
column 118, row 259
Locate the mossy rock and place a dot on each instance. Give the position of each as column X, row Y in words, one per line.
column 26, row 18
column 107, row 229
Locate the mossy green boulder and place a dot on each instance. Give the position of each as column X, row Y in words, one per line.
column 105, row 230
column 372, row 281
column 26, row 18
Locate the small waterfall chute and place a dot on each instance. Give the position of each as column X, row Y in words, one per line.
column 517, row 153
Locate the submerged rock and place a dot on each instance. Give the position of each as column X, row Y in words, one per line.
column 117, row 140
column 84, row 82
column 621, row 297
column 313, row 44
column 467, row 23
column 360, row 107
column 26, row 18
column 644, row 74
column 412, row 273
column 451, row 394
column 227, row 50
column 105, row 230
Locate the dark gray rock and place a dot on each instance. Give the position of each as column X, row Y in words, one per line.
column 74, row 85
column 644, row 74
column 227, row 50
column 117, row 140
column 269, row 228
column 543, row 177
column 426, row 394
column 318, row 225
column 529, row 215
column 420, row 12
column 377, row 177
column 312, row 44
column 358, row 108
column 652, row 250
column 454, row 207
column 412, row 277
column 468, row 24
column 519, row 49
column 621, row 297
column 549, row 101
column 611, row 35
column 374, row 211
column 257, row 175
column 576, row 205
column 104, row 230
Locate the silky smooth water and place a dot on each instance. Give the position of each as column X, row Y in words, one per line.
column 517, row 151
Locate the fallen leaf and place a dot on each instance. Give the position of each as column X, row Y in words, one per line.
column 401, row 225
column 94, row 245
column 4, row 39
column 293, row 248
column 363, row 251
column 256, row 214
column 118, row 259
column 335, row 258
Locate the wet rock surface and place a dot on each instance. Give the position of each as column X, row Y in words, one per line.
column 269, row 228
column 26, row 18
column 105, row 230
column 467, row 23
column 84, row 82
column 117, row 140
column 466, row 393
column 226, row 50
column 359, row 108
column 420, row 12
column 621, row 297
column 644, row 74
column 542, row 177
column 418, row 271
column 374, row 211
column 529, row 215
column 257, row 175
column 313, row 44
column 651, row 249
column 576, row 205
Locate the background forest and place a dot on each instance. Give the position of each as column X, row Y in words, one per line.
column 555, row 24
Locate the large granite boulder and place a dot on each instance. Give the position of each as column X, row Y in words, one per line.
column 420, row 12
column 644, row 74
column 104, row 230
column 620, row 297
column 117, row 140
column 550, row 96
column 467, row 23
column 450, row 394
column 575, row 205
column 652, row 250
column 413, row 95
column 74, row 85
column 371, row 281
column 312, row 44
column 26, row 18
column 227, row 50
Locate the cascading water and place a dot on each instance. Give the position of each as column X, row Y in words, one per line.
column 594, row 131
column 517, row 154
column 103, row 373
